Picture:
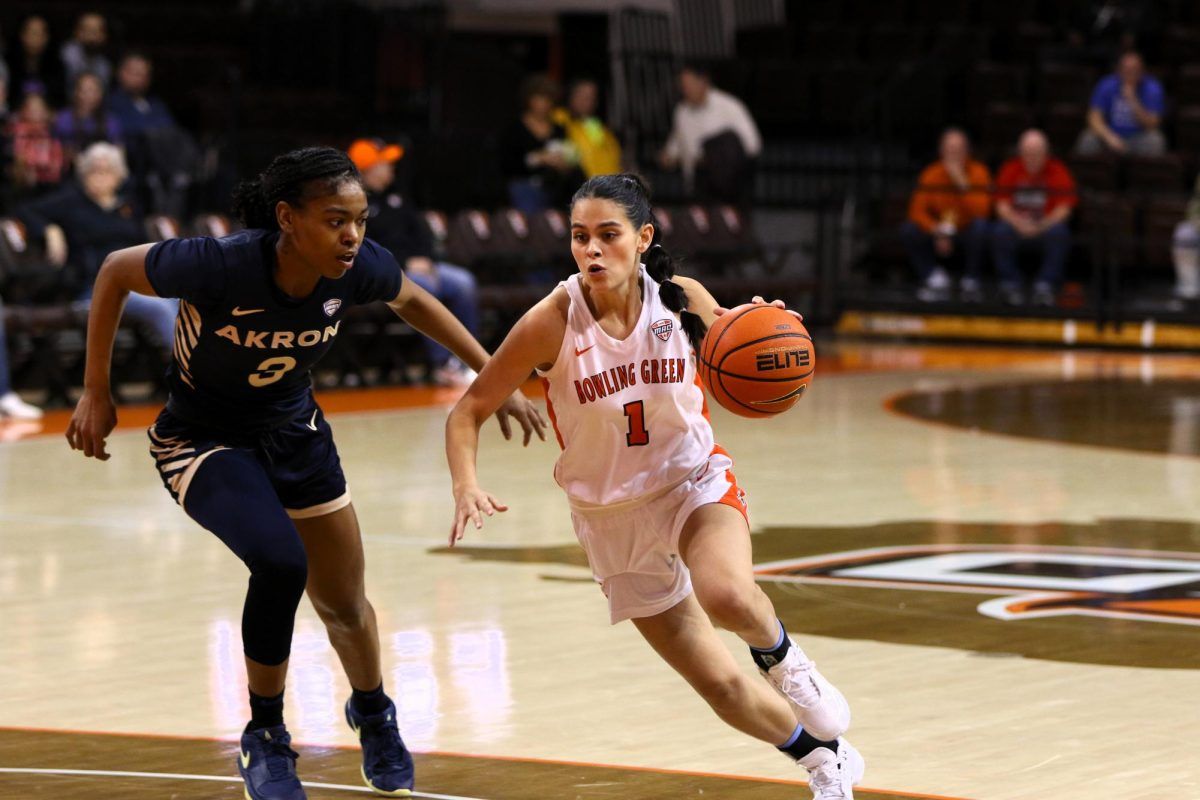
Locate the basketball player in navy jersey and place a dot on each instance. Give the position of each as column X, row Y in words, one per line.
column 242, row 445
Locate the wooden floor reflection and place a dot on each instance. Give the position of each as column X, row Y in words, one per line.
column 1011, row 614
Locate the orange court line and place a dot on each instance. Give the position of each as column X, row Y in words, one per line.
column 518, row 759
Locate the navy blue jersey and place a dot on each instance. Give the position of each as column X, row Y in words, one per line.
column 243, row 349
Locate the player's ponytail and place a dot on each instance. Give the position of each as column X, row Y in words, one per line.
column 293, row 178
column 631, row 193
column 661, row 267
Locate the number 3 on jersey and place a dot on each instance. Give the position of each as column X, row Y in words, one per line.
column 638, row 436
column 272, row 370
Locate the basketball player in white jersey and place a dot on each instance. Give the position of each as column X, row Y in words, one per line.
column 653, row 501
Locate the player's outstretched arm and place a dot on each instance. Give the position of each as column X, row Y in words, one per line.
column 533, row 342
column 95, row 414
column 427, row 314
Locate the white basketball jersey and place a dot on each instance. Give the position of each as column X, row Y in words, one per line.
column 630, row 415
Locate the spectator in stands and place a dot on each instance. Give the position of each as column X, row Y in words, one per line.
column 1035, row 195
column 162, row 156
column 948, row 213
column 1185, row 251
column 136, row 110
column 599, row 151
column 11, row 404
column 35, row 69
column 86, row 121
column 88, row 219
column 1125, row 113
column 713, row 140
column 397, row 225
column 85, row 51
column 539, row 161
column 37, row 156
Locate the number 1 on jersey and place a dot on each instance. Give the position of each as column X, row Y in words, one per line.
column 638, row 436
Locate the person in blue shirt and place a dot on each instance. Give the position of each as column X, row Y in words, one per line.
column 162, row 155
column 243, row 446
column 1125, row 113
column 131, row 103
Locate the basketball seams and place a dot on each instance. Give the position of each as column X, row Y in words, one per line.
column 708, row 350
column 728, row 321
column 758, row 411
column 720, row 370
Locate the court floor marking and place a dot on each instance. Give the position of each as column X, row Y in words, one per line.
column 450, row 754
column 890, row 404
column 112, row 773
column 686, row 772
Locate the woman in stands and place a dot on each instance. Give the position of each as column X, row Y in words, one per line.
column 242, row 445
column 34, row 64
column 536, row 155
column 87, row 219
column 87, row 120
column 653, row 501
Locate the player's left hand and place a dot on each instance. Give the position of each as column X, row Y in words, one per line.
column 470, row 506
column 526, row 413
column 759, row 301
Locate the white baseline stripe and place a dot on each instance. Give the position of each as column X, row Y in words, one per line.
column 107, row 773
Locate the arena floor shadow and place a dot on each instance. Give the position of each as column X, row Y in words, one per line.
column 1160, row 416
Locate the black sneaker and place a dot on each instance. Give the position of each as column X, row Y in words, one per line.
column 933, row 294
column 1043, row 295
column 268, row 765
column 1012, row 294
column 387, row 765
column 969, row 291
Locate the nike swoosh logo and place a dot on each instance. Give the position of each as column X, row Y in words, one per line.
column 312, row 424
column 245, row 761
column 241, row 312
column 579, row 352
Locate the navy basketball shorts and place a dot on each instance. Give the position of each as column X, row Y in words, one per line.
column 299, row 458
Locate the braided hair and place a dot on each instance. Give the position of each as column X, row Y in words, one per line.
column 630, row 192
column 293, row 178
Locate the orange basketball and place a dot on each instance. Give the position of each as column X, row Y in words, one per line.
column 756, row 360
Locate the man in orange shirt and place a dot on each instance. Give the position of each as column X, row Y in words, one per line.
column 949, row 211
column 1035, row 195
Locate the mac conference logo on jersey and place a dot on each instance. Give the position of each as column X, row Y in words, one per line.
column 331, row 306
column 662, row 329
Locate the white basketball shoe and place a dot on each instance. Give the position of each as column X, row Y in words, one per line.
column 832, row 776
column 820, row 707
column 13, row 407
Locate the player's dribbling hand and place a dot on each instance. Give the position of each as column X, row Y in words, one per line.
column 759, row 301
column 526, row 413
column 94, row 419
column 470, row 505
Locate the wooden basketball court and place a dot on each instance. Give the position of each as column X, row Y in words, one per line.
column 994, row 553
